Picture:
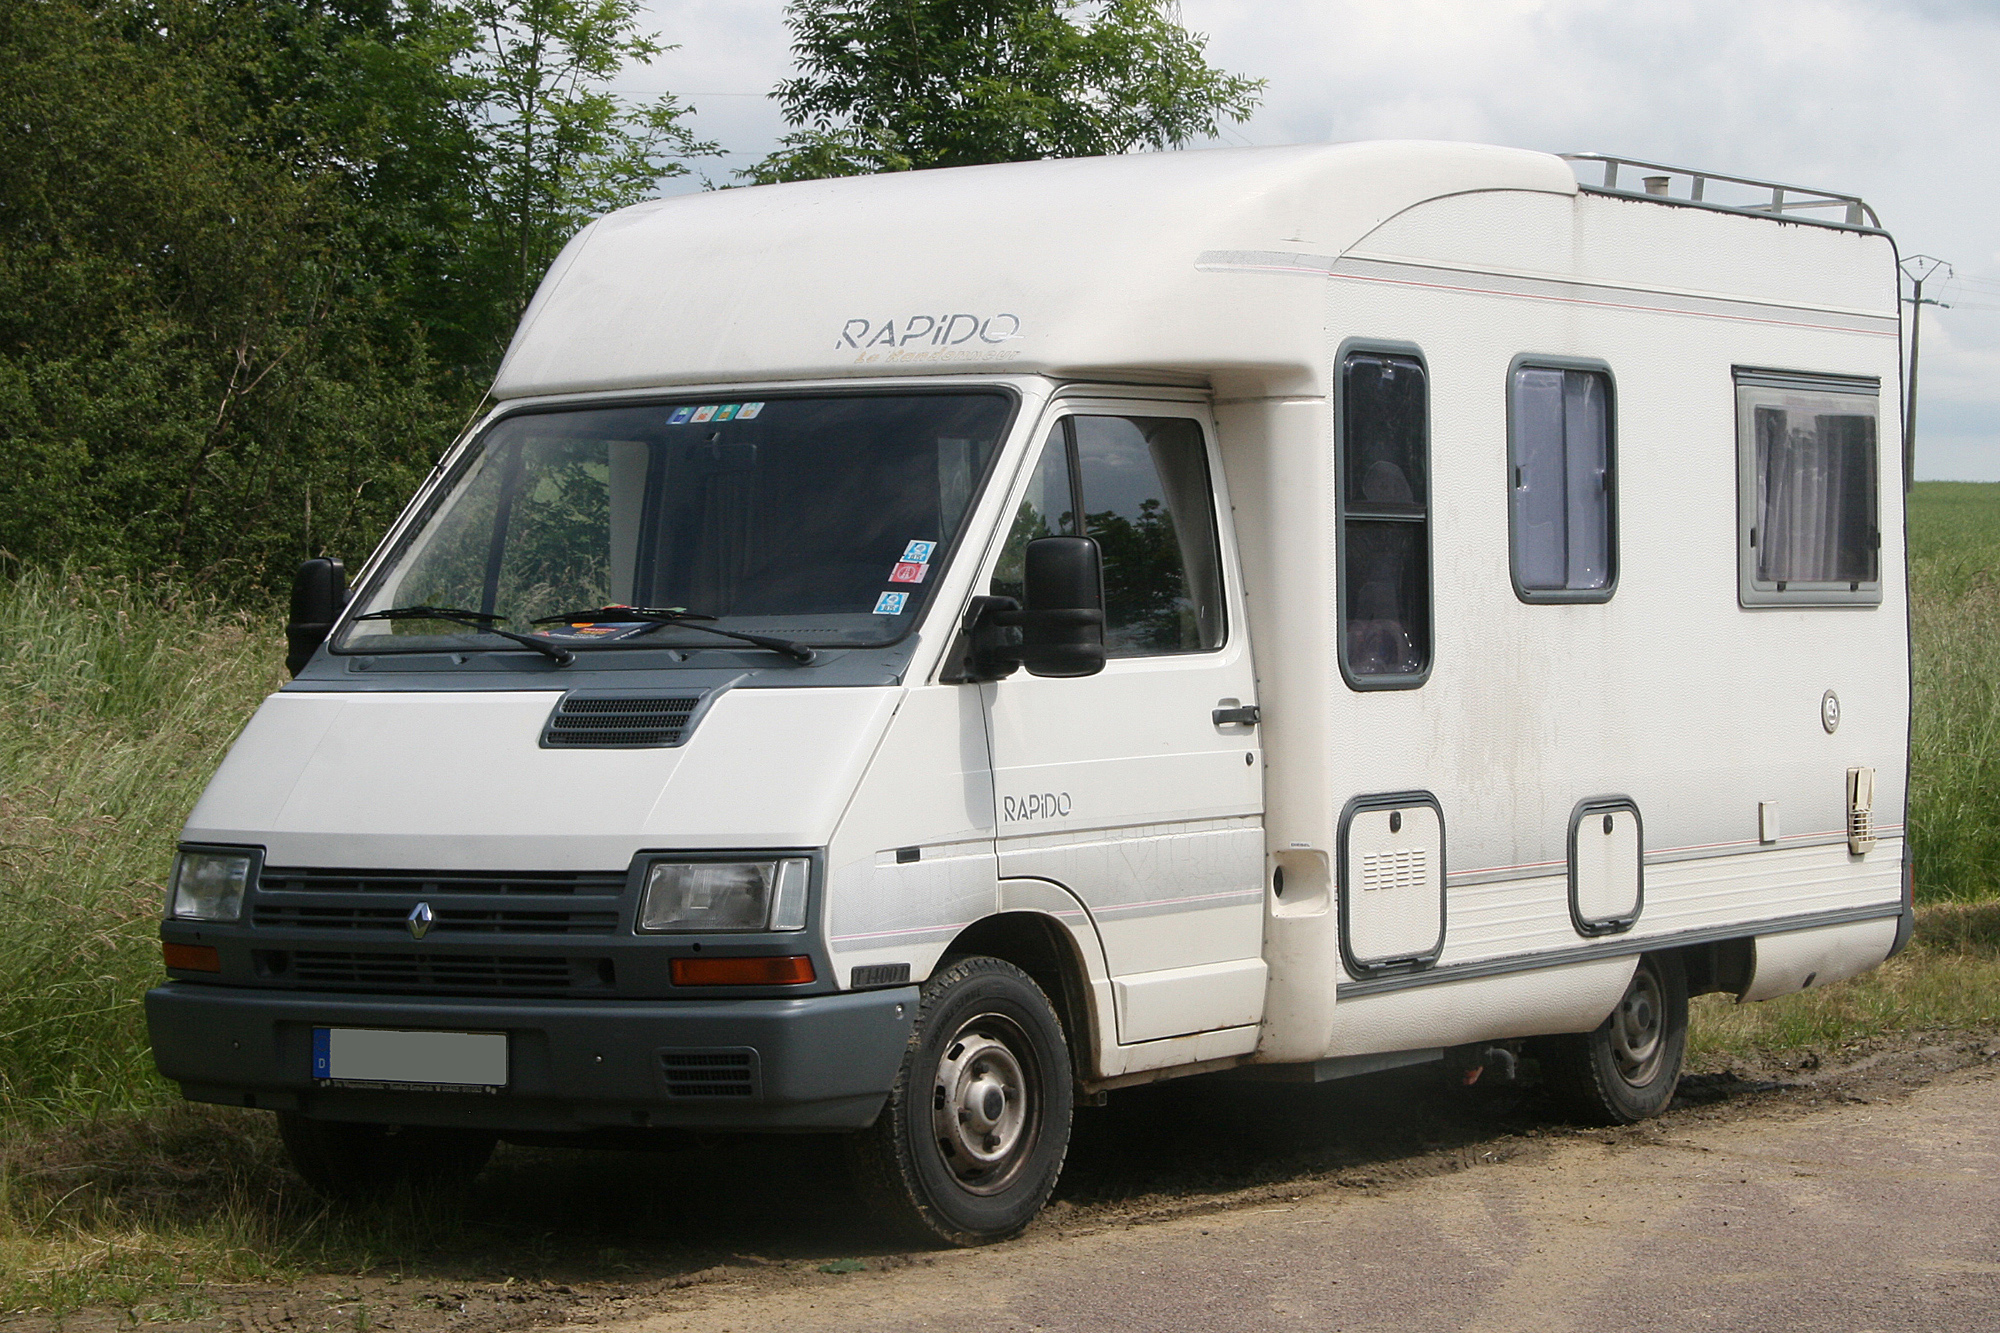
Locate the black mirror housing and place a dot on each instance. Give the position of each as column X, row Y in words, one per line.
column 319, row 592
column 1062, row 626
column 1060, row 632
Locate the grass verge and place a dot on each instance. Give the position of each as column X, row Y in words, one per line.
column 1947, row 979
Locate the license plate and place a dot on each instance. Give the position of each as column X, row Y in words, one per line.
column 410, row 1061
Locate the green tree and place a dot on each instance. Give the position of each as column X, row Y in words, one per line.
column 887, row 85
column 558, row 149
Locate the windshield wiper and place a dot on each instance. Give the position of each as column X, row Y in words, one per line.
column 681, row 616
column 484, row 621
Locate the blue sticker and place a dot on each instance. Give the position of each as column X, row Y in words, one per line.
column 918, row 553
column 680, row 416
column 891, row 603
column 322, row 1056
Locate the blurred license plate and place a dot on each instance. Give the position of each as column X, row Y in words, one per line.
column 386, row 1057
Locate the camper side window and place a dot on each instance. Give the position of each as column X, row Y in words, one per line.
column 1148, row 504
column 1808, row 489
column 1385, row 580
column 1563, row 503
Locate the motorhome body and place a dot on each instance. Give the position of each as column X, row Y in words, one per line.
column 1502, row 599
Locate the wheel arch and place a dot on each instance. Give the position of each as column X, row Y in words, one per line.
column 1043, row 947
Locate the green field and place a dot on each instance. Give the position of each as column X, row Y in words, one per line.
column 120, row 700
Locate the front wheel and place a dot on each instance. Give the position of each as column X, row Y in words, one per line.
column 973, row 1135
column 1628, row 1068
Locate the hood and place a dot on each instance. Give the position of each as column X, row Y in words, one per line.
column 461, row 781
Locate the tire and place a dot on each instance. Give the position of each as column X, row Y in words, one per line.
column 976, row 1127
column 353, row 1163
column 1627, row 1069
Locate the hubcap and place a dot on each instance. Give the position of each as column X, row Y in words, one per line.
column 1638, row 1029
column 983, row 1109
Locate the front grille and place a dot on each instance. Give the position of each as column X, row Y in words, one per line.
column 427, row 883
column 619, row 721
column 437, row 974
column 444, row 920
column 726, row 1073
column 351, row 910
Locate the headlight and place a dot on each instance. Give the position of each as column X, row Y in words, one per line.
column 208, row 886
column 724, row 895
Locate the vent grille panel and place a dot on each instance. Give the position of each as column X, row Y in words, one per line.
column 617, row 722
column 432, row 974
column 727, row 1073
column 1400, row 869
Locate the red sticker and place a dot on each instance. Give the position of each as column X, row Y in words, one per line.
column 908, row 571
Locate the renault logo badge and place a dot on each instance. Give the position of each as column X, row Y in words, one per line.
column 420, row 920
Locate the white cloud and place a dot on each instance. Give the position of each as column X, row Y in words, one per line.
column 1895, row 100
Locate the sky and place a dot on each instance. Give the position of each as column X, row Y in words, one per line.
column 1897, row 101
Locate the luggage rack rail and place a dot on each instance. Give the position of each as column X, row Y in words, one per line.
column 1656, row 180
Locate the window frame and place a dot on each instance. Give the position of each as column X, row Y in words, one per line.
column 1613, row 566
column 1062, row 420
column 445, row 477
column 1751, row 592
column 1401, row 680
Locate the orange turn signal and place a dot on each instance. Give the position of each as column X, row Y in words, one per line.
column 192, row 957
column 795, row 970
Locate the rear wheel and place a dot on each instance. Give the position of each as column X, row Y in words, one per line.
column 1628, row 1068
column 355, row 1163
column 973, row 1135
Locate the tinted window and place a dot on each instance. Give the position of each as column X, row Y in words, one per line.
column 1385, row 519
column 1148, row 504
column 823, row 519
column 1560, row 438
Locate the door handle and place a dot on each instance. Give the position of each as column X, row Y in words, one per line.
column 1249, row 715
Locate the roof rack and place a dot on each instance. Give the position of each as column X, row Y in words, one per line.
column 1656, row 181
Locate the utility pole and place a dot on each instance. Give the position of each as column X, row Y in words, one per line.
column 1917, row 268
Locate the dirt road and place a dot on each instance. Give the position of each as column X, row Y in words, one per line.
column 1866, row 1215
column 1857, row 1192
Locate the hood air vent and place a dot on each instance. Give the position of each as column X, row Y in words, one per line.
column 602, row 721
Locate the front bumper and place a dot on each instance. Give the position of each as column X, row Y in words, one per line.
column 814, row 1062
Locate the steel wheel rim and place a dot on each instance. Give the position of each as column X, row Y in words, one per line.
column 1639, row 1029
column 985, row 1104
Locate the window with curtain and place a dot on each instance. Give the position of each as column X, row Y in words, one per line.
column 1563, row 496
column 1385, row 520
column 1809, row 485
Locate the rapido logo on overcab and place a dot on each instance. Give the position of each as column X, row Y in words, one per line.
column 930, row 337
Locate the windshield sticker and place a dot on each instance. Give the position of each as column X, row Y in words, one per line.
column 595, row 632
column 704, row 413
column 727, row 411
column 891, row 603
column 908, row 572
column 749, row 410
column 679, row 416
column 918, row 553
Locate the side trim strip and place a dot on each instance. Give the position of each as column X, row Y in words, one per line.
column 1624, row 946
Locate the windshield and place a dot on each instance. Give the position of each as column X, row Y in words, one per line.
column 821, row 520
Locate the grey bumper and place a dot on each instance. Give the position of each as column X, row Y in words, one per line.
column 816, row 1062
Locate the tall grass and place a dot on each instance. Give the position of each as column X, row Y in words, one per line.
column 116, row 703
column 1955, row 713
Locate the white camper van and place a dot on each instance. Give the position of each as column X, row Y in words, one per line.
column 905, row 655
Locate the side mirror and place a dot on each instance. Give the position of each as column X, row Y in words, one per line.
column 1061, row 630
column 318, row 593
